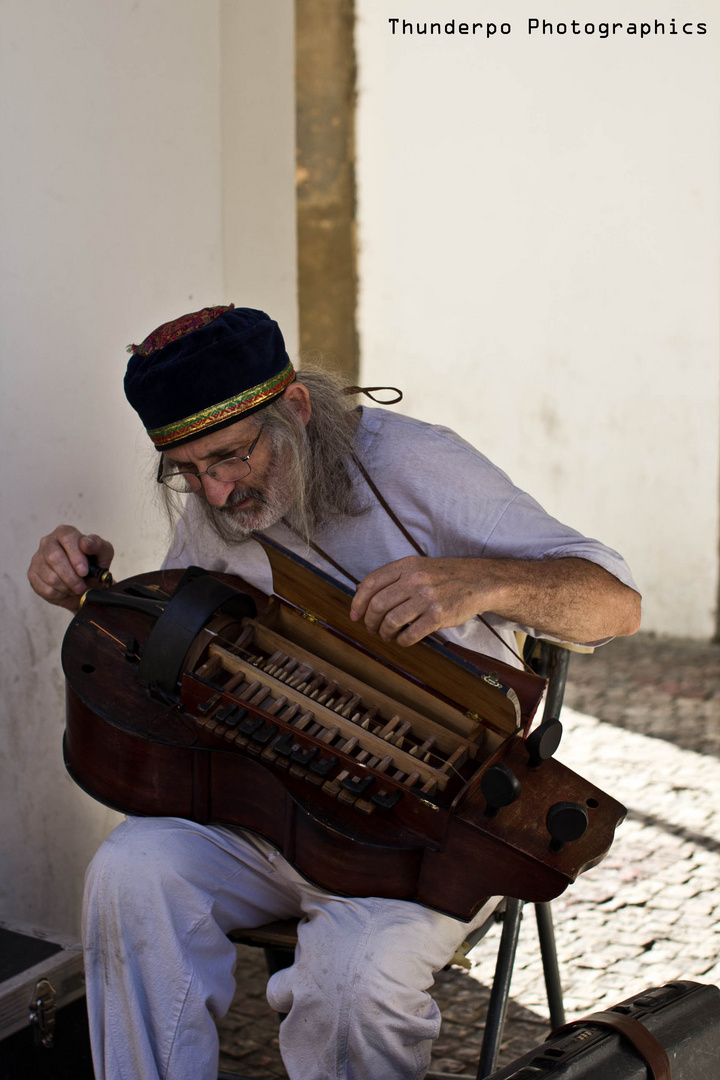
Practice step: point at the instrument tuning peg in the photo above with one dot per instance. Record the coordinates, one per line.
(500, 787)
(566, 821)
(103, 575)
(542, 743)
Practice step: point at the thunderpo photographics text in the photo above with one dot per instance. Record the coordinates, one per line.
(540, 27)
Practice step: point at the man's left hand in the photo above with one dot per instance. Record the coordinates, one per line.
(413, 597)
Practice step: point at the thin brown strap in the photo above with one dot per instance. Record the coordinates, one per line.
(368, 391)
(651, 1051)
(388, 509)
(411, 539)
(328, 558)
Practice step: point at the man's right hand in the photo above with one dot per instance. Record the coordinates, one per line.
(60, 564)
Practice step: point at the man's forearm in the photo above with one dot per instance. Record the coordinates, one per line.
(570, 599)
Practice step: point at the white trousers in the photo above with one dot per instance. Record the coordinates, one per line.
(161, 895)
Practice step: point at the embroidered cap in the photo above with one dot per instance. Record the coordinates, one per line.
(204, 371)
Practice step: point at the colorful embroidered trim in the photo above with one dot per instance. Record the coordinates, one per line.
(193, 426)
(177, 328)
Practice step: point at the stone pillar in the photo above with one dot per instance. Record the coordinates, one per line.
(327, 272)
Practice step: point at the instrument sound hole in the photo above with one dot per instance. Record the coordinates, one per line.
(88, 669)
(592, 803)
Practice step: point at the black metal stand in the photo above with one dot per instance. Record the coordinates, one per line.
(500, 993)
(548, 952)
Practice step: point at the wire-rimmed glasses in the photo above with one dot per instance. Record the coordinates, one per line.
(227, 471)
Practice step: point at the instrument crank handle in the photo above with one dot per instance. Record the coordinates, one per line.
(102, 574)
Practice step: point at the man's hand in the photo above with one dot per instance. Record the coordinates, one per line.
(420, 595)
(59, 565)
(569, 599)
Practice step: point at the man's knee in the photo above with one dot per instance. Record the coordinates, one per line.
(142, 856)
(375, 988)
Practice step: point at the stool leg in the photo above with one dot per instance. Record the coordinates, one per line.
(497, 1007)
(546, 935)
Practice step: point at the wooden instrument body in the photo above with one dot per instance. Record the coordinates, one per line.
(358, 810)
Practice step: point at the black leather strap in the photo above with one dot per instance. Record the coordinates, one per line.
(651, 1051)
(187, 612)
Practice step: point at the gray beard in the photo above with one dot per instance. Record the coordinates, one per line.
(234, 526)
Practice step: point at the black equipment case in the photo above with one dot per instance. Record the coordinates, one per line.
(683, 1017)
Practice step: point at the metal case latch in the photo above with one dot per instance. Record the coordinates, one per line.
(42, 1013)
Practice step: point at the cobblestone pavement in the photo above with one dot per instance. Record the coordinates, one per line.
(642, 721)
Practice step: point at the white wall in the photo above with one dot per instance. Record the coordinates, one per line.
(258, 159)
(539, 269)
(116, 200)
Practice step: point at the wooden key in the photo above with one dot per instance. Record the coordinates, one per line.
(242, 689)
(322, 698)
(215, 728)
(303, 721)
(332, 787)
(209, 668)
(397, 736)
(351, 706)
(421, 751)
(278, 704)
(206, 707)
(362, 782)
(257, 699)
(268, 752)
(249, 690)
(312, 686)
(232, 684)
(284, 674)
(273, 661)
(389, 729)
(298, 680)
(368, 717)
(455, 761)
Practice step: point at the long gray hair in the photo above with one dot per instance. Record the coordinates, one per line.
(314, 461)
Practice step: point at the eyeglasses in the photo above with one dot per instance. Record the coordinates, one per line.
(227, 471)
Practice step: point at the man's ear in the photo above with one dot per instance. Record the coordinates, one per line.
(298, 397)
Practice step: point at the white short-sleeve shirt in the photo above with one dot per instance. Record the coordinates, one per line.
(450, 498)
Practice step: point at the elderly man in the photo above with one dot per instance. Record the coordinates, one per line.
(432, 534)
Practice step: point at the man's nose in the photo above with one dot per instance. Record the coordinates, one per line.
(216, 491)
